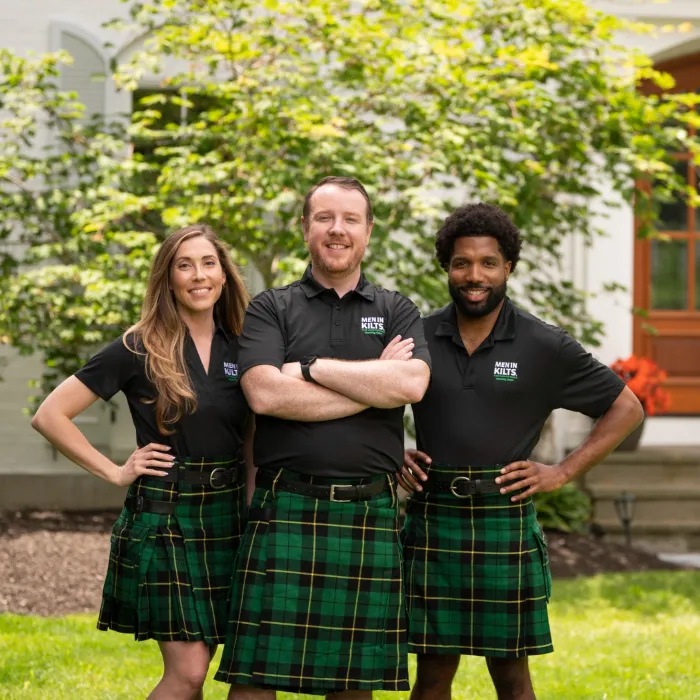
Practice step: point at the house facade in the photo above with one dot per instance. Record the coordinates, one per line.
(663, 278)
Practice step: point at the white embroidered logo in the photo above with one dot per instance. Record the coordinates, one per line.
(373, 325)
(505, 371)
(231, 371)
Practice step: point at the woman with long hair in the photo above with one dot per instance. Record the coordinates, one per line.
(173, 546)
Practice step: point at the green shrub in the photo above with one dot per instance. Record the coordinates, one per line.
(567, 509)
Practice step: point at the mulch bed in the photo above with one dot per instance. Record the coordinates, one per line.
(54, 563)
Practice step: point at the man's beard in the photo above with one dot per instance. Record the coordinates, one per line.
(332, 267)
(482, 308)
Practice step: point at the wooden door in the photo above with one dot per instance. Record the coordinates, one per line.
(667, 278)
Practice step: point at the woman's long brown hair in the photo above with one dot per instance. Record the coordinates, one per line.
(162, 332)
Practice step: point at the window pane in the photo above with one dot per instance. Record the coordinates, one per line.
(673, 215)
(669, 274)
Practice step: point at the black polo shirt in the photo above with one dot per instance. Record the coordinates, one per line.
(304, 318)
(489, 408)
(215, 429)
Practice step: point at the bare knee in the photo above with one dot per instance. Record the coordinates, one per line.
(191, 676)
(185, 668)
(511, 678)
(434, 677)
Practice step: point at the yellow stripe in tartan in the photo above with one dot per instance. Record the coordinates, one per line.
(312, 678)
(520, 570)
(482, 600)
(166, 584)
(188, 494)
(239, 623)
(469, 505)
(357, 597)
(311, 592)
(168, 490)
(322, 627)
(476, 551)
(345, 577)
(513, 649)
(329, 525)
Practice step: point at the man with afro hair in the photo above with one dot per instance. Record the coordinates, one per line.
(477, 570)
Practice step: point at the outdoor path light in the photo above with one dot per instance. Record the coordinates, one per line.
(624, 507)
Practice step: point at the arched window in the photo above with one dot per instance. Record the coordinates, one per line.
(86, 75)
(667, 277)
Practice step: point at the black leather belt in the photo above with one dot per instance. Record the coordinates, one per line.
(460, 486)
(338, 493)
(217, 478)
(139, 504)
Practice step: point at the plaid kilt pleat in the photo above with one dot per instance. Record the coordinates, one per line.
(317, 602)
(477, 573)
(169, 576)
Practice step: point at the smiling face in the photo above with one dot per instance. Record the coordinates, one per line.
(337, 231)
(478, 275)
(196, 276)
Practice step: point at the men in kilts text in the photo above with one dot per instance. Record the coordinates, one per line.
(327, 364)
(477, 572)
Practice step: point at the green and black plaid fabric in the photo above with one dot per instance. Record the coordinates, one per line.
(317, 602)
(169, 576)
(477, 573)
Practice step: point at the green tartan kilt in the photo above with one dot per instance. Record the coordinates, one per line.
(169, 576)
(477, 573)
(317, 603)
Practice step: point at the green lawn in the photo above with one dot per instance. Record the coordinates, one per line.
(617, 637)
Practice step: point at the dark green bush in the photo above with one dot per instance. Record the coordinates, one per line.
(567, 509)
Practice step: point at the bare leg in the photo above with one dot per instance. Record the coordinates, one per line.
(435, 675)
(185, 670)
(212, 653)
(248, 692)
(511, 678)
(350, 695)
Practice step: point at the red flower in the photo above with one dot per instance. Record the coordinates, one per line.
(644, 379)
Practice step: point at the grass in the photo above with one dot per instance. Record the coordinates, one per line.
(617, 637)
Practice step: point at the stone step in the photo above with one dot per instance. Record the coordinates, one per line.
(683, 454)
(613, 473)
(660, 510)
(682, 490)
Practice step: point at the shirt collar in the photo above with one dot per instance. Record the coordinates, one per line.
(220, 328)
(312, 288)
(503, 329)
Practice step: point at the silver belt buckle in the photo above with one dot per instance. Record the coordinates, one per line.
(339, 500)
(212, 478)
(453, 486)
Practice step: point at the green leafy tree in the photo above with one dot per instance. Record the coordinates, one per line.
(66, 284)
(530, 105)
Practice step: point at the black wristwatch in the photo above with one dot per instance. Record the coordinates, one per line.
(306, 363)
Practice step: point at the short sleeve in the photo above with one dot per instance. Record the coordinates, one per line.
(405, 321)
(262, 341)
(110, 370)
(584, 384)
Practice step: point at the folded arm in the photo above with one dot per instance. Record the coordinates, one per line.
(377, 383)
(271, 393)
